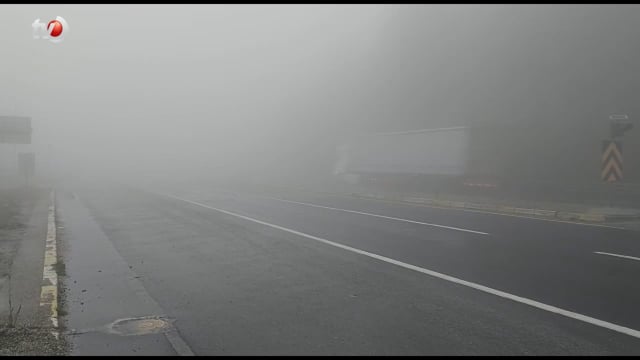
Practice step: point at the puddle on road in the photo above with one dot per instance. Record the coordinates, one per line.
(138, 326)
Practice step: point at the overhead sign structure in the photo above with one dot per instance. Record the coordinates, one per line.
(611, 161)
(15, 130)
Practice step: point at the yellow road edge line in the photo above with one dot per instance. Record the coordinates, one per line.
(49, 291)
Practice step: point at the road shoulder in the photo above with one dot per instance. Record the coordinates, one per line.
(109, 311)
(26, 328)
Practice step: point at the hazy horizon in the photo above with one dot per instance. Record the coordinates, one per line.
(222, 90)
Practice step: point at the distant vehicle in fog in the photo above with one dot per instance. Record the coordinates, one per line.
(484, 155)
(464, 153)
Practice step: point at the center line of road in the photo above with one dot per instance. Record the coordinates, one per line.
(379, 216)
(617, 255)
(502, 294)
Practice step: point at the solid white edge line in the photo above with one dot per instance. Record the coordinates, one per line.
(380, 216)
(502, 294)
(617, 255)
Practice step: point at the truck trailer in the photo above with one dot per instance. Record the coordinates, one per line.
(460, 153)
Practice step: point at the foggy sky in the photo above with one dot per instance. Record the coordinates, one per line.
(171, 90)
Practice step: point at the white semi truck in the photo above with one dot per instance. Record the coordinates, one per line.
(431, 151)
(460, 154)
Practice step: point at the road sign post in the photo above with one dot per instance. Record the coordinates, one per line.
(612, 164)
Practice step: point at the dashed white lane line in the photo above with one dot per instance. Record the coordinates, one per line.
(617, 255)
(380, 216)
(502, 294)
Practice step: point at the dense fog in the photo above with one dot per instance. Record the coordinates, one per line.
(205, 92)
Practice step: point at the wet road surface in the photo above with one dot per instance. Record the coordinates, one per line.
(289, 273)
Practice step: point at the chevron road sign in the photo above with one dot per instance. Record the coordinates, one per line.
(611, 161)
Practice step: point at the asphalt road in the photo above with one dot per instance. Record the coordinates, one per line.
(245, 273)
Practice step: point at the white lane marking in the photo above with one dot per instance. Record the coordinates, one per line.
(502, 294)
(617, 255)
(380, 216)
(482, 212)
(177, 342)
